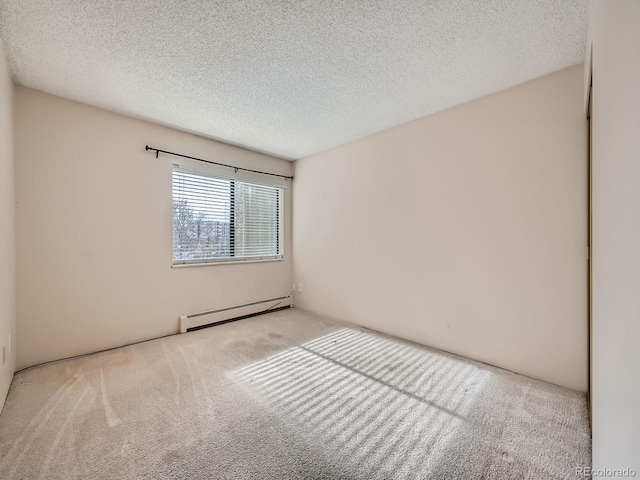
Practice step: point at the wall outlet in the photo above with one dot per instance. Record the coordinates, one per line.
(300, 287)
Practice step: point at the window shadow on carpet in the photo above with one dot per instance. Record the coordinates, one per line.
(380, 405)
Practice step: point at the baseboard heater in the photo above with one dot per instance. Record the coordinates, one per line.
(196, 321)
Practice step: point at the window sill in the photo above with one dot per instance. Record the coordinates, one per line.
(232, 262)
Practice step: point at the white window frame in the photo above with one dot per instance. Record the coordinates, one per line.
(231, 260)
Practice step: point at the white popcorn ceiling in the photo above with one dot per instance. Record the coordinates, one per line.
(290, 78)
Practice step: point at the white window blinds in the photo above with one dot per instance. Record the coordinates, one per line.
(220, 219)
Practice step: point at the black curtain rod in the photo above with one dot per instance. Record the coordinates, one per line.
(158, 151)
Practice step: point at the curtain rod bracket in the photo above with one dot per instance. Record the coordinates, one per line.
(147, 148)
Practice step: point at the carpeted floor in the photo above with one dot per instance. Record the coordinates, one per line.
(289, 395)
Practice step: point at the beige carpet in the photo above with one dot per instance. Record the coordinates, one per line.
(285, 396)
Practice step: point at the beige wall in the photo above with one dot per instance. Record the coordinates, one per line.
(7, 230)
(465, 230)
(93, 222)
(616, 234)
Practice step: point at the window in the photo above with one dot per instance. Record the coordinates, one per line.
(221, 219)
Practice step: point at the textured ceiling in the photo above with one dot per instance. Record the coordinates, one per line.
(286, 77)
